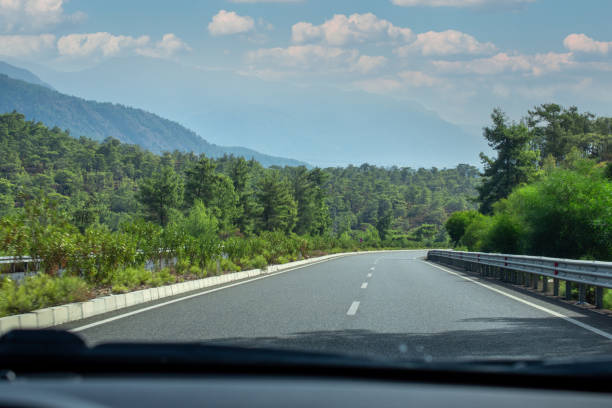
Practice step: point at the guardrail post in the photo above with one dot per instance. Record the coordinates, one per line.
(599, 293)
(535, 278)
(568, 290)
(581, 293)
(555, 287)
(544, 284)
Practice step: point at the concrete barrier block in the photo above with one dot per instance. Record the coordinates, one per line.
(146, 295)
(44, 318)
(60, 315)
(87, 308)
(120, 300)
(129, 299)
(75, 311)
(110, 303)
(99, 306)
(138, 297)
(154, 293)
(28, 321)
(9, 323)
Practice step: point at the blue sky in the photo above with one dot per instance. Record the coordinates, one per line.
(457, 58)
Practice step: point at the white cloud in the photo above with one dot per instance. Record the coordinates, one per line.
(447, 42)
(460, 3)
(99, 44)
(583, 43)
(537, 64)
(419, 79)
(34, 15)
(228, 22)
(342, 29)
(366, 64)
(26, 45)
(169, 45)
(305, 57)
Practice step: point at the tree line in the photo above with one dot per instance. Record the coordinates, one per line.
(548, 192)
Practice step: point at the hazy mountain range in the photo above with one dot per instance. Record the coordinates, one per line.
(281, 119)
(39, 102)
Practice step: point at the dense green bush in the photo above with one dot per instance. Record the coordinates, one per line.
(566, 213)
(458, 222)
(40, 291)
(130, 278)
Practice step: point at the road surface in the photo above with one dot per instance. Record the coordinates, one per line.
(391, 305)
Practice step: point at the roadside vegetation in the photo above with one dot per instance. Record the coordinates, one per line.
(547, 193)
(97, 213)
(549, 190)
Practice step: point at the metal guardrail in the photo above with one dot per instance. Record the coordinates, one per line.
(534, 271)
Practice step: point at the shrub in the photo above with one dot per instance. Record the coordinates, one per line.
(183, 266)
(458, 222)
(506, 235)
(607, 300)
(228, 265)
(257, 262)
(130, 277)
(475, 233)
(282, 260)
(163, 277)
(41, 291)
(118, 288)
(197, 271)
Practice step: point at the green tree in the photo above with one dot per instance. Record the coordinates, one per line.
(160, 193)
(279, 209)
(515, 162)
(200, 181)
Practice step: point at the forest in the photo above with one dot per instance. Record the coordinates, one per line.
(97, 211)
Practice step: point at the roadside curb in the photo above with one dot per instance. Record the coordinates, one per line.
(57, 315)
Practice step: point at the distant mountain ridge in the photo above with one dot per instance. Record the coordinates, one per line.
(38, 101)
(20, 73)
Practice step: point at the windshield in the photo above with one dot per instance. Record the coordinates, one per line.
(407, 180)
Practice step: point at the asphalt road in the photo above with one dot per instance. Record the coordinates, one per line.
(386, 304)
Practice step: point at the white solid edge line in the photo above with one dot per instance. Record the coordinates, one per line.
(353, 309)
(145, 309)
(364, 285)
(528, 303)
